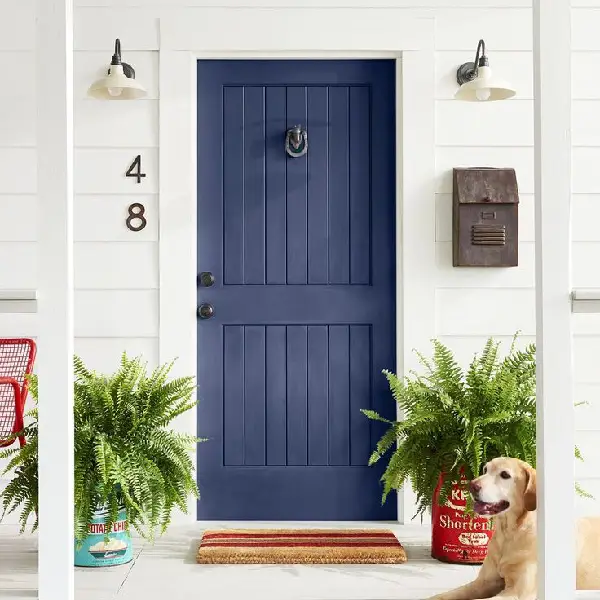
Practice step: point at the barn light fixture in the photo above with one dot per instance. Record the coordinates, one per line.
(119, 83)
(477, 84)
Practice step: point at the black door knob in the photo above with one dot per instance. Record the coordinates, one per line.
(206, 311)
(206, 279)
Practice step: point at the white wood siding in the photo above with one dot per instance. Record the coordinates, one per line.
(116, 271)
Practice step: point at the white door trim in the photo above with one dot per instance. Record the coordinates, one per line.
(185, 37)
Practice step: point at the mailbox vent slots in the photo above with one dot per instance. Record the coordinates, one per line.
(488, 235)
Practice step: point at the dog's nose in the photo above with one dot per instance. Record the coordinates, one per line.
(474, 487)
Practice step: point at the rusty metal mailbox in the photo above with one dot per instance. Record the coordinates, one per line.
(485, 217)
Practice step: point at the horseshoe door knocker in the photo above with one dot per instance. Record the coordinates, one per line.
(296, 141)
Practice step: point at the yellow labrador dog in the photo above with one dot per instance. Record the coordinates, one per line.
(507, 492)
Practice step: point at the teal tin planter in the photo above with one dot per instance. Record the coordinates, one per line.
(96, 552)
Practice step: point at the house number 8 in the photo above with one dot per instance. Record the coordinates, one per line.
(136, 213)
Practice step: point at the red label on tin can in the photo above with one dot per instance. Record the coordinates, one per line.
(456, 536)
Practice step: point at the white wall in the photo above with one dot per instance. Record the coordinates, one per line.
(116, 275)
(117, 271)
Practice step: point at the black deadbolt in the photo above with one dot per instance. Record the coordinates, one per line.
(206, 278)
(206, 311)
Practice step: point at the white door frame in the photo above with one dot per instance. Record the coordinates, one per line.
(190, 34)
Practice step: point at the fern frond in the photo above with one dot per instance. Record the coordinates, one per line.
(455, 420)
(126, 455)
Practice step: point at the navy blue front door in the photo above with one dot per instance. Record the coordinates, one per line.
(302, 253)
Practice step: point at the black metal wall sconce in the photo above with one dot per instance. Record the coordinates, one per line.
(296, 141)
(119, 83)
(477, 84)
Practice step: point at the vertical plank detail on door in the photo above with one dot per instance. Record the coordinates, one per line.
(276, 389)
(296, 194)
(360, 389)
(339, 395)
(318, 184)
(233, 185)
(254, 396)
(297, 378)
(339, 213)
(254, 185)
(360, 185)
(276, 165)
(318, 395)
(321, 233)
(233, 395)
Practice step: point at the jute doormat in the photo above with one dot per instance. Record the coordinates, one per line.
(300, 546)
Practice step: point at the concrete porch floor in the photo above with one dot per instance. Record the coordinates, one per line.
(167, 570)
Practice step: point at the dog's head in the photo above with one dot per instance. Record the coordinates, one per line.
(506, 484)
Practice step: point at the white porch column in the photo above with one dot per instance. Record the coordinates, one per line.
(555, 418)
(54, 58)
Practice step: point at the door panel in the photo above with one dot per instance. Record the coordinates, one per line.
(302, 250)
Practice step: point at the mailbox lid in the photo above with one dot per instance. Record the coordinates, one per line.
(485, 185)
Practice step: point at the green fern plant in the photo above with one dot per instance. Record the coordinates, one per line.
(456, 421)
(125, 453)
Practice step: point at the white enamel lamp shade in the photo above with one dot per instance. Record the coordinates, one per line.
(485, 87)
(119, 83)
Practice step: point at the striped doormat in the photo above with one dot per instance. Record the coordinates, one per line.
(300, 546)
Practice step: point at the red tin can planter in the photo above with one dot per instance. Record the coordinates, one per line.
(455, 536)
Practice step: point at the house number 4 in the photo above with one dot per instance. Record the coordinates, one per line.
(135, 169)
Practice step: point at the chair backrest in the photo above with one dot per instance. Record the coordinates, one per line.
(16, 361)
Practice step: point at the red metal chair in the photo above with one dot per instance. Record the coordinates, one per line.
(16, 361)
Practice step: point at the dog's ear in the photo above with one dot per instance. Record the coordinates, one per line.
(530, 495)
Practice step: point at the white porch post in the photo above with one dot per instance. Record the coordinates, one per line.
(54, 61)
(555, 419)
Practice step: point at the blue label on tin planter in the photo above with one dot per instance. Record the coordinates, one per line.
(96, 552)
